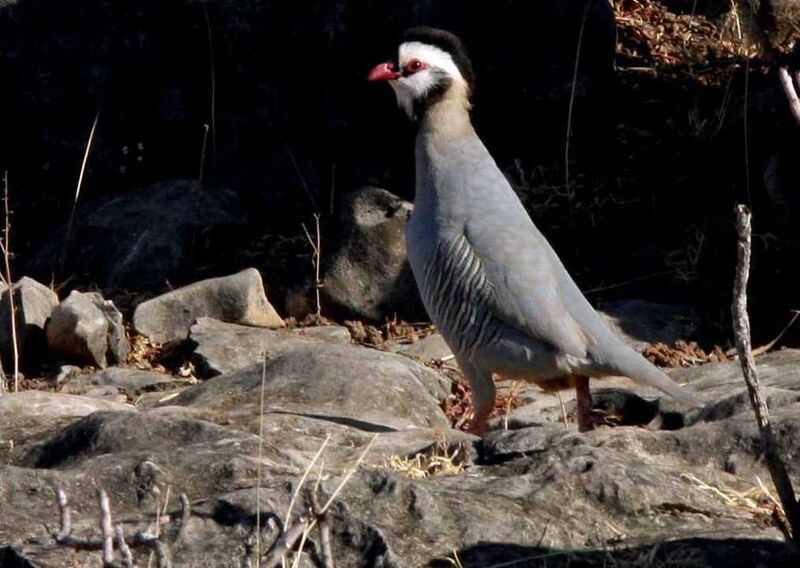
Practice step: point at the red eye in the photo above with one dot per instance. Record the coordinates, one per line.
(413, 66)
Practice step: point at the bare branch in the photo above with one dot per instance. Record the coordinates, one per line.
(790, 91)
(106, 528)
(741, 331)
(124, 549)
(9, 281)
(285, 543)
(66, 518)
(324, 522)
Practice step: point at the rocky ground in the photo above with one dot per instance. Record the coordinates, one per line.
(251, 428)
(212, 424)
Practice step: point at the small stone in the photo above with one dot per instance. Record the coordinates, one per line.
(88, 329)
(33, 304)
(239, 298)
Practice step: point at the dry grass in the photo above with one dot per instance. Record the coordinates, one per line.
(757, 499)
(441, 460)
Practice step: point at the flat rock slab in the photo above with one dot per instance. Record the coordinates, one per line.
(239, 298)
(30, 415)
(131, 381)
(352, 385)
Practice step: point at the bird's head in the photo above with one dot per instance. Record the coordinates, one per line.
(432, 65)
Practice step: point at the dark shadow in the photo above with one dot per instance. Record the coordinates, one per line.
(727, 553)
(10, 558)
(343, 420)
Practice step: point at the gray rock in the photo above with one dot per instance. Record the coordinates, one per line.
(144, 237)
(33, 302)
(336, 333)
(239, 298)
(29, 415)
(351, 385)
(224, 347)
(88, 329)
(368, 276)
(131, 381)
(640, 322)
(430, 348)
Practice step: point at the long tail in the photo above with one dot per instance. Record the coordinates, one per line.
(633, 365)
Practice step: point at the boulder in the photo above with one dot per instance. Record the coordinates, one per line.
(351, 385)
(142, 238)
(219, 347)
(29, 415)
(239, 298)
(639, 322)
(88, 329)
(33, 304)
(367, 276)
(130, 381)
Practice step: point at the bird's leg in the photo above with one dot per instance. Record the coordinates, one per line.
(483, 393)
(584, 400)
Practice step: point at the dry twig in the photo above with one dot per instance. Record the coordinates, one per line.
(5, 276)
(741, 331)
(790, 91)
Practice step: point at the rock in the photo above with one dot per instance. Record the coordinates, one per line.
(219, 347)
(144, 237)
(33, 302)
(631, 493)
(130, 381)
(88, 329)
(350, 385)
(430, 348)
(28, 415)
(337, 333)
(239, 298)
(639, 322)
(368, 276)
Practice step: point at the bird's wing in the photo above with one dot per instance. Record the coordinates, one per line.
(525, 290)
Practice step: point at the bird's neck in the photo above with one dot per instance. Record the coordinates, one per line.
(448, 118)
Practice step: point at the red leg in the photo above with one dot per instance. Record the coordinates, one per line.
(584, 400)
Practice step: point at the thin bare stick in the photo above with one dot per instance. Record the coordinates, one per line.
(260, 446)
(301, 177)
(124, 549)
(324, 520)
(316, 246)
(106, 529)
(71, 222)
(65, 528)
(790, 91)
(572, 92)
(741, 332)
(288, 517)
(310, 526)
(5, 246)
(203, 155)
(285, 543)
(333, 188)
(745, 125)
(563, 409)
(349, 474)
(213, 86)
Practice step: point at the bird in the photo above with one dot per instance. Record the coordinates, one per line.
(491, 283)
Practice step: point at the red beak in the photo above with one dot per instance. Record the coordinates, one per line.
(383, 72)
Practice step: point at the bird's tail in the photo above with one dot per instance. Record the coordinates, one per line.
(631, 364)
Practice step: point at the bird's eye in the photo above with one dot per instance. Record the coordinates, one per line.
(413, 66)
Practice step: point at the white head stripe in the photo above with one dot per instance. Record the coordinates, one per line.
(429, 54)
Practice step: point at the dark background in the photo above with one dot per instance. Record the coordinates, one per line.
(657, 158)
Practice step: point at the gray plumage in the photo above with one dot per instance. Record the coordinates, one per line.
(490, 281)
